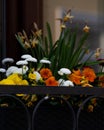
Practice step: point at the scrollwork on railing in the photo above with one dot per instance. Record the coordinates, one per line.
(47, 98)
(52, 92)
(23, 107)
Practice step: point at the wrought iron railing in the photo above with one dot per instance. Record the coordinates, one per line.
(95, 92)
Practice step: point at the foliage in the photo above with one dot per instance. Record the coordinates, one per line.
(67, 62)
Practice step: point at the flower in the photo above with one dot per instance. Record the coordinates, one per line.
(84, 77)
(67, 62)
(63, 71)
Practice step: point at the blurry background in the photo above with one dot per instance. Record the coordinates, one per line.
(20, 15)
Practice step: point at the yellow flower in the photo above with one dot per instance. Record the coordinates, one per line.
(90, 108)
(68, 16)
(7, 82)
(24, 82)
(32, 76)
(16, 78)
(86, 29)
(34, 98)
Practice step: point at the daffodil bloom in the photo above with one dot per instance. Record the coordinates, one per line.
(34, 42)
(27, 45)
(68, 17)
(38, 31)
(98, 53)
(86, 29)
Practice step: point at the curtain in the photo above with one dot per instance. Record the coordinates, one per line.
(20, 14)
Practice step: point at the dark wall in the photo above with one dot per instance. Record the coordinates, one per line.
(20, 14)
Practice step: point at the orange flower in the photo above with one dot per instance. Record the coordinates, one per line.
(51, 81)
(45, 73)
(76, 77)
(89, 74)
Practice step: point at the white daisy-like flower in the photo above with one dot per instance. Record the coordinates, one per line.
(68, 83)
(61, 82)
(21, 62)
(2, 70)
(31, 59)
(18, 71)
(22, 70)
(45, 61)
(38, 76)
(26, 56)
(63, 71)
(5, 60)
(11, 70)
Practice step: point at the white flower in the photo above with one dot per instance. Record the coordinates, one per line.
(61, 82)
(26, 56)
(21, 62)
(68, 83)
(38, 76)
(31, 59)
(25, 68)
(5, 60)
(63, 71)
(18, 71)
(11, 70)
(45, 61)
(22, 70)
(2, 70)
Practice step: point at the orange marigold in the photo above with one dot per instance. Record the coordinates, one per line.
(45, 73)
(51, 81)
(89, 74)
(76, 77)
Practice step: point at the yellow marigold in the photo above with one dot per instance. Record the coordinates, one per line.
(89, 74)
(101, 81)
(51, 81)
(32, 76)
(45, 73)
(76, 77)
